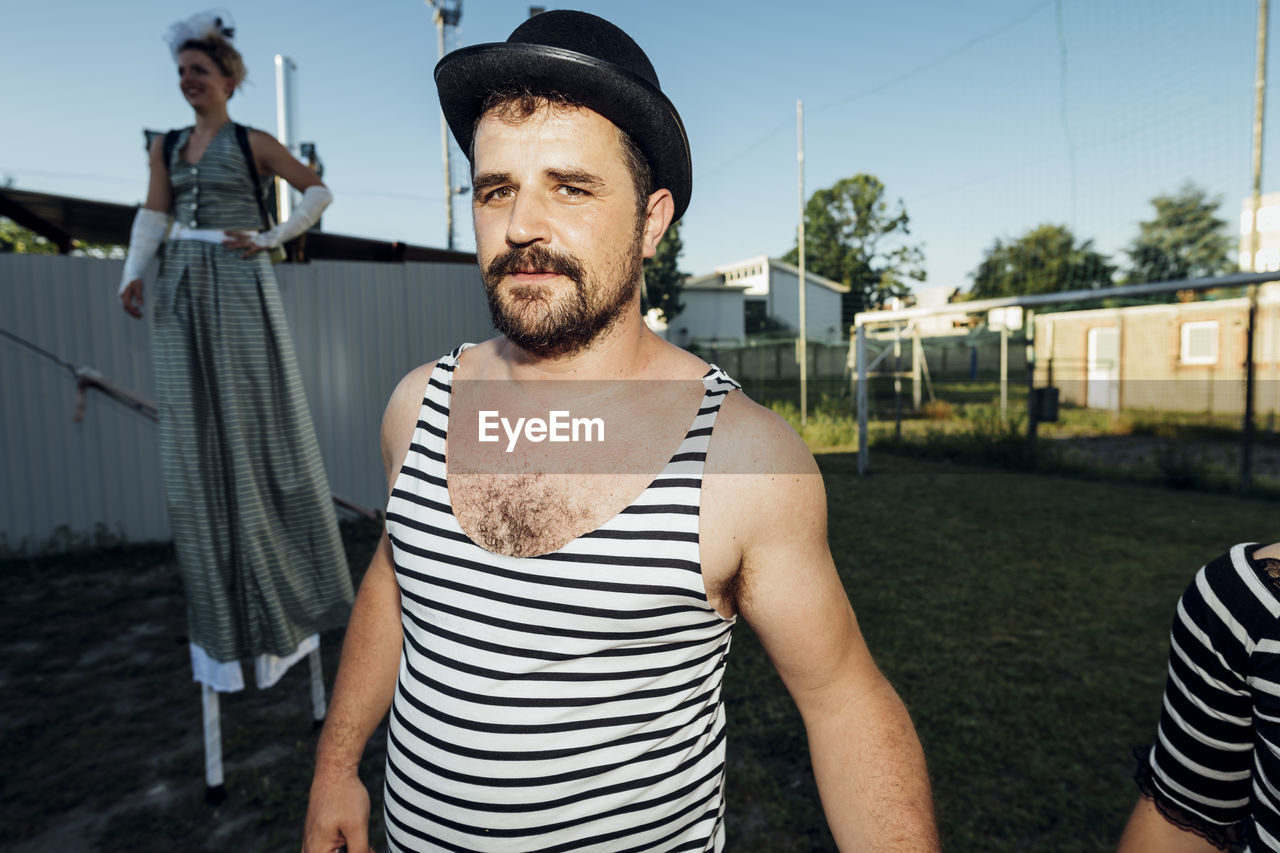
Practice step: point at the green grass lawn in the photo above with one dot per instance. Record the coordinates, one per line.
(1023, 618)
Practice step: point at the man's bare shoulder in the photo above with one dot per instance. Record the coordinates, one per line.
(751, 439)
(400, 418)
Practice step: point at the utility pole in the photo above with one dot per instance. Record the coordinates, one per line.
(1259, 102)
(802, 346)
(447, 14)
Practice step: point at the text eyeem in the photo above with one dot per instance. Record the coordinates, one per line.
(558, 426)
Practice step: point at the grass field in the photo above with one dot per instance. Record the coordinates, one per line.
(1022, 617)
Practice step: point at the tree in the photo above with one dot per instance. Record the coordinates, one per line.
(662, 277)
(1186, 239)
(15, 238)
(23, 241)
(854, 236)
(1046, 259)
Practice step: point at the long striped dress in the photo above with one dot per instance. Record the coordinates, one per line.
(1215, 765)
(253, 523)
(569, 701)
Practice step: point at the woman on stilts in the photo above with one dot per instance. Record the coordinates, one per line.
(249, 502)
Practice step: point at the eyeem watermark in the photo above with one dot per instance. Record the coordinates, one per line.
(558, 427)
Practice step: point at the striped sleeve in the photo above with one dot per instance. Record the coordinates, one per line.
(1199, 771)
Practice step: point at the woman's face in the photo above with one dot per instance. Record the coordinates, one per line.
(202, 83)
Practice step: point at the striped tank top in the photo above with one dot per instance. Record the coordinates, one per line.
(568, 701)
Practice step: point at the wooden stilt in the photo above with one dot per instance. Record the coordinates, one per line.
(317, 687)
(215, 792)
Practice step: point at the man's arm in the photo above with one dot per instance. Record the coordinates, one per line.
(867, 759)
(338, 812)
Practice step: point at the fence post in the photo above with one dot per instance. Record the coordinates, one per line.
(860, 356)
(1004, 373)
(917, 356)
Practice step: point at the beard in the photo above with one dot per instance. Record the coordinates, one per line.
(557, 325)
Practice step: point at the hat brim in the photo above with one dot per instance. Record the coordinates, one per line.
(466, 77)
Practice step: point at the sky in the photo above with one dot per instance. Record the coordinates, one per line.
(983, 118)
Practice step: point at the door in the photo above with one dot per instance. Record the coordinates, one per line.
(1102, 390)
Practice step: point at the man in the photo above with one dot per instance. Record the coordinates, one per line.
(549, 624)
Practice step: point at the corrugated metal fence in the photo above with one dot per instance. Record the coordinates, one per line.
(357, 328)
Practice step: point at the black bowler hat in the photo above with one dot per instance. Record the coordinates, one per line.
(585, 58)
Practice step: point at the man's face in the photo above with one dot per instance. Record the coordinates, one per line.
(558, 236)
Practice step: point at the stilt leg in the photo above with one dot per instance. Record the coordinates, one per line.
(317, 687)
(214, 791)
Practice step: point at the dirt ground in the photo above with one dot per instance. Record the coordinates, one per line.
(1148, 456)
(102, 724)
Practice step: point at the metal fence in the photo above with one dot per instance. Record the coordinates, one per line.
(357, 328)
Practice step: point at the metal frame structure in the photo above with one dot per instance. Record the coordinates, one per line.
(903, 318)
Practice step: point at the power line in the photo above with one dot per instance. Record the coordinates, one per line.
(938, 60)
(880, 87)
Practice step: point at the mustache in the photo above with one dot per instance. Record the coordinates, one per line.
(535, 257)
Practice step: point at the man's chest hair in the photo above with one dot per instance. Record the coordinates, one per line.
(523, 515)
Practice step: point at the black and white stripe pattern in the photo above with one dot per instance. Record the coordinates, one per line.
(569, 701)
(1215, 766)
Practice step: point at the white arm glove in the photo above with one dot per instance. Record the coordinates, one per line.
(149, 228)
(314, 200)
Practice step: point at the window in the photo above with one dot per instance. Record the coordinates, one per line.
(1200, 342)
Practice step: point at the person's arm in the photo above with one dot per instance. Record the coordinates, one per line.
(338, 811)
(271, 158)
(150, 224)
(1197, 779)
(274, 159)
(867, 759)
(1148, 831)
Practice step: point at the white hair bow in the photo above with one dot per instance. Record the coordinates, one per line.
(199, 27)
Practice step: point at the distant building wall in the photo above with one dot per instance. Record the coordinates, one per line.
(357, 329)
(710, 313)
(821, 309)
(1186, 357)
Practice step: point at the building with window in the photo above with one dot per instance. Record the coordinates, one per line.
(753, 296)
(1185, 357)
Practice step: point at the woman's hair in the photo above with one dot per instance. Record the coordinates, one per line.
(226, 57)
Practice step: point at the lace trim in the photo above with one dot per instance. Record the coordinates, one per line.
(1266, 567)
(1222, 837)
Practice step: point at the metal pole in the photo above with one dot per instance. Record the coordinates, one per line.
(804, 343)
(897, 382)
(285, 130)
(444, 140)
(1259, 103)
(1004, 372)
(860, 354)
(917, 356)
(1033, 411)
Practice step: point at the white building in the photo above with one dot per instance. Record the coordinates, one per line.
(737, 298)
(714, 312)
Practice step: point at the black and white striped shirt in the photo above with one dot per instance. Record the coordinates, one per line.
(569, 701)
(1215, 766)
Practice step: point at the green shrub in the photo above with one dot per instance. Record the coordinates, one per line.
(1180, 465)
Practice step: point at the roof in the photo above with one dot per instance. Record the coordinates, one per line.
(62, 219)
(712, 282)
(812, 278)
(753, 266)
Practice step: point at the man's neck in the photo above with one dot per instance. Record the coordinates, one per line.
(620, 352)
